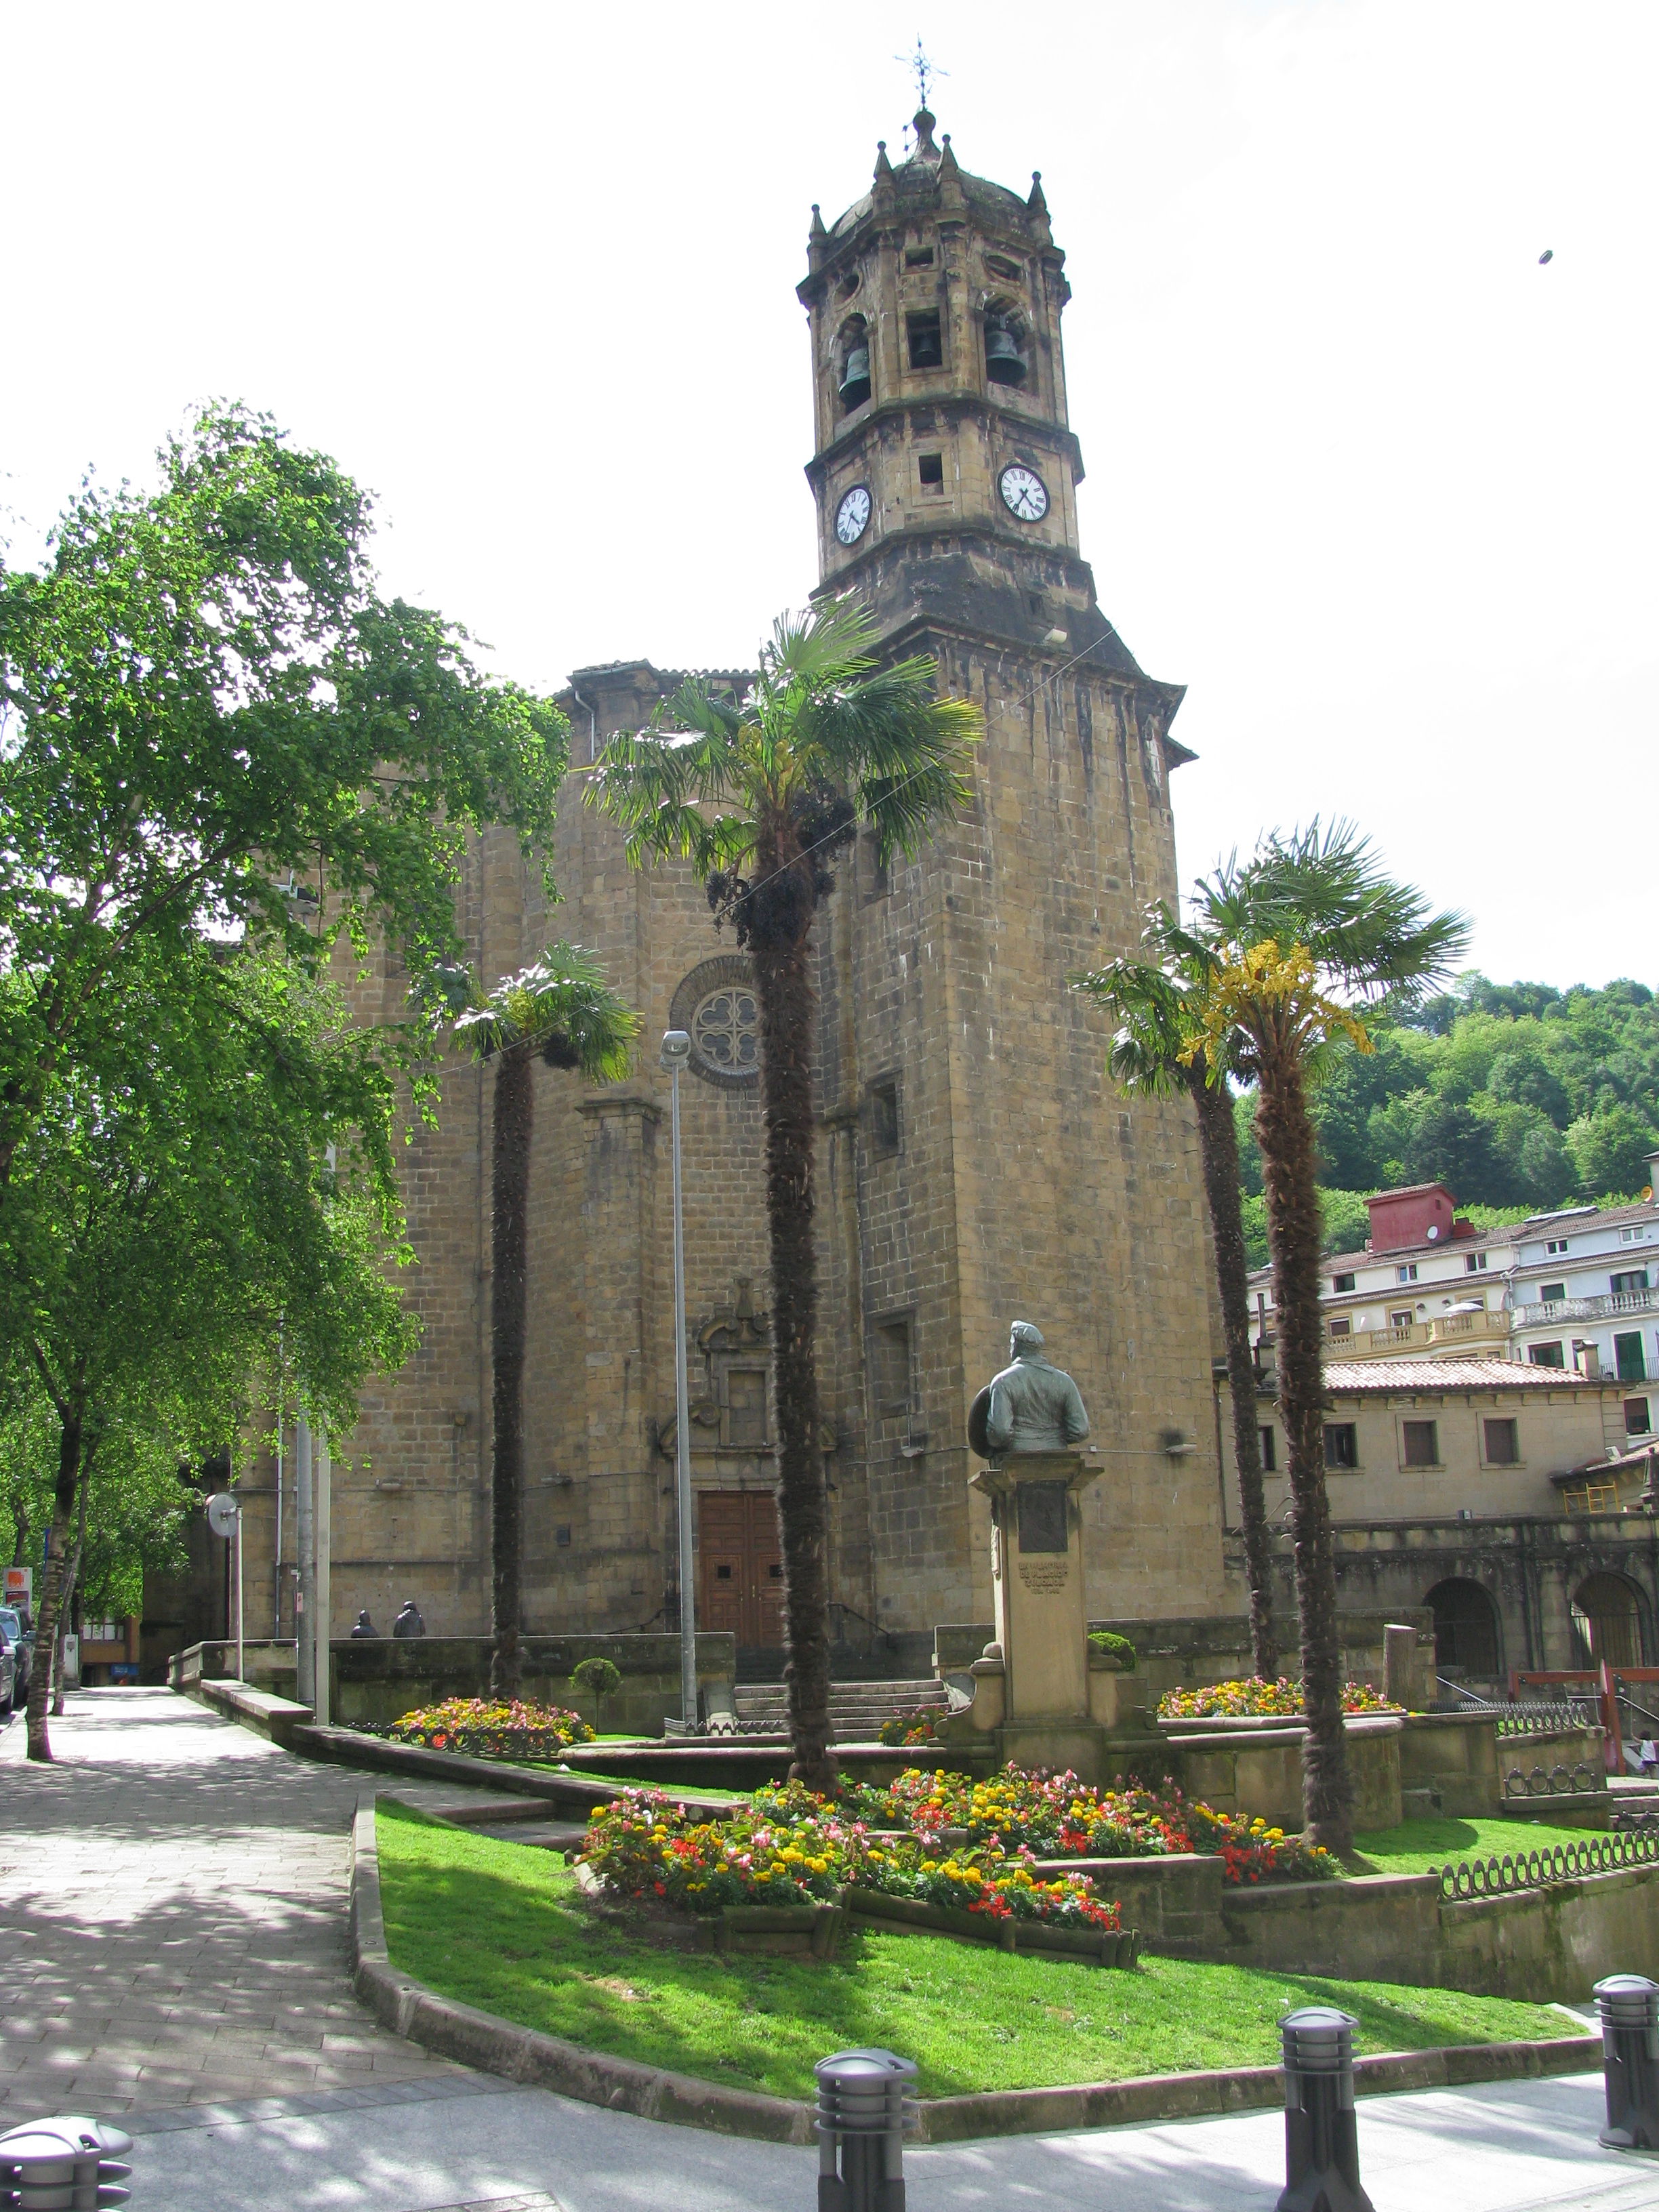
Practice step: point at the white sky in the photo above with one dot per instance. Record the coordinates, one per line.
(1375, 485)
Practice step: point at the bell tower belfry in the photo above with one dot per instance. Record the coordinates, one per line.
(980, 1166)
(939, 384)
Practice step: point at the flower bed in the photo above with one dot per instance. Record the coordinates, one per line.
(907, 1729)
(1055, 1816)
(490, 1728)
(1246, 1700)
(644, 1846)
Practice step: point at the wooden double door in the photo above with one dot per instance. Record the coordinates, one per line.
(740, 1566)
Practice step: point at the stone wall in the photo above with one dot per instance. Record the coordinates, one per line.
(376, 1679)
(1545, 1945)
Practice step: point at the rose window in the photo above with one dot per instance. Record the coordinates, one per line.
(726, 1032)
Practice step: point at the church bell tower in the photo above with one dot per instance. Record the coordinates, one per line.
(978, 1165)
(945, 470)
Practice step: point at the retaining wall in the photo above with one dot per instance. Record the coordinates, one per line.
(379, 1678)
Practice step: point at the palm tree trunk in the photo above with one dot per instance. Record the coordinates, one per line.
(1284, 1130)
(1218, 1143)
(69, 1440)
(509, 1210)
(783, 991)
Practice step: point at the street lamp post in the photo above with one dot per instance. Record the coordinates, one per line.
(675, 1053)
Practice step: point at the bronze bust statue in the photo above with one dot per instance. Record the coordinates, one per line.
(1031, 1407)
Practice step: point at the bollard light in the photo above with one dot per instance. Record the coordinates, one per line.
(863, 2113)
(67, 2164)
(1321, 2143)
(1629, 2006)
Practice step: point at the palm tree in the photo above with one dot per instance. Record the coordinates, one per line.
(562, 1011)
(1293, 947)
(756, 795)
(1155, 1003)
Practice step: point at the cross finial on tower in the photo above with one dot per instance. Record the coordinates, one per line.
(925, 70)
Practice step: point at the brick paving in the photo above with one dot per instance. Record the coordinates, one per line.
(173, 1918)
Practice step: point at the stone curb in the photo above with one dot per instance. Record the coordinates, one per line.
(348, 1747)
(546, 2062)
(524, 2054)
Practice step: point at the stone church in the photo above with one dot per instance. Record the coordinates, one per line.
(976, 1164)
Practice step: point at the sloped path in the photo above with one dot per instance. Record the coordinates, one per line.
(173, 1918)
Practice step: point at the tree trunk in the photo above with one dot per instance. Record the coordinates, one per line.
(66, 1600)
(509, 1211)
(783, 991)
(1284, 1131)
(52, 1585)
(1218, 1142)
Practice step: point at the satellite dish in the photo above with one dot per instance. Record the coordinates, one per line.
(1647, 1194)
(1434, 1231)
(223, 1513)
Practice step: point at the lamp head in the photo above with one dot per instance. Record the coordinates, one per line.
(676, 1048)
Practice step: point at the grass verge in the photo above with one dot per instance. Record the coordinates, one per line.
(495, 1924)
(1417, 1845)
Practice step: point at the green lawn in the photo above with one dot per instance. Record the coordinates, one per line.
(494, 1925)
(1417, 1845)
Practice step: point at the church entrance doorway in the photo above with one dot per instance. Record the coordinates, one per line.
(740, 1566)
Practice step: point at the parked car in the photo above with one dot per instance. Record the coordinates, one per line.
(15, 1643)
(11, 1695)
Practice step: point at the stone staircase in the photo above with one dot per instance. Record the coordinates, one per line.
(857, 1709)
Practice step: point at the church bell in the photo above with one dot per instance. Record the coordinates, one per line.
(855, 377)
(1003, 362)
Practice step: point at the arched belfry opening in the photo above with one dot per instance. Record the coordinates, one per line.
(1007, 343)
(853, 363)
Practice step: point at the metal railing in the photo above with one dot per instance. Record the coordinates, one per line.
(1561, 1781)
(1545, 1718)
(1498, 1877)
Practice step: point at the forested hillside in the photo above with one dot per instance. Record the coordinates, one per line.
(1519, 1095)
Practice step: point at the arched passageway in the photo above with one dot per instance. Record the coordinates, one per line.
(1607, 1622)
(1467, 1638)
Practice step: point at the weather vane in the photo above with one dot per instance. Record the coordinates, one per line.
(925, 70)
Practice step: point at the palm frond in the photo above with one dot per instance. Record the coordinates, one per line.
(562, 1006)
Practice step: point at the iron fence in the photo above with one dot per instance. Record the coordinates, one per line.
(1561, 1781)
(1544, 1719)
(1498, 1877)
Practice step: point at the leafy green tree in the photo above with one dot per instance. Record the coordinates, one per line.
(1610, 1150)
(758, 795)
(211, 723)
(1159, 1005)
(190, 1184)
(1293, 944)
(561, 1012)
(1440, 1142)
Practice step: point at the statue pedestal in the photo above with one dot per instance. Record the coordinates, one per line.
(1040, 1606)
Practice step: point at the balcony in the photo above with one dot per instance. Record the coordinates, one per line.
(1606, 1308)
(1452, 1336)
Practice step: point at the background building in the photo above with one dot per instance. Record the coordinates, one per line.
(1496, 1494)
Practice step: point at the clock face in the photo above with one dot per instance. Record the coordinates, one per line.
(1024, 493)
(853, 515)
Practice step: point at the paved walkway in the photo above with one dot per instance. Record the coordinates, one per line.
(1529, 2147)
(172, 1927)
(172, 1951)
